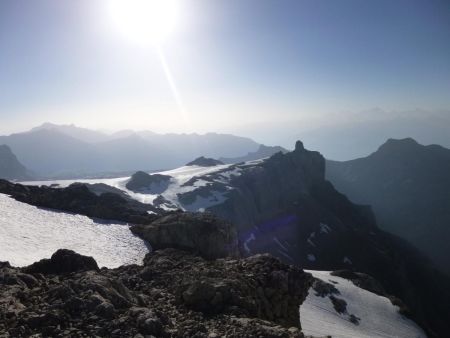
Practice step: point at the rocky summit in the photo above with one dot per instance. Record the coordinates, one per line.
(205, 162)
(80, 199)
(141, 182)
(174, 294)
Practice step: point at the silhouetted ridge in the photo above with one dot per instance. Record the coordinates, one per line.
(204, 162)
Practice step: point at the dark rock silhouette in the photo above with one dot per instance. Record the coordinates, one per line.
(77, 198)
(408, 186)
(204, 162)
(63, 261)
(143, 182)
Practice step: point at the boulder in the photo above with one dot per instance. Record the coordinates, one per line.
(63, 261)
(201, 233)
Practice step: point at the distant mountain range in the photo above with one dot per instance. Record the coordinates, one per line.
(10, 167)
(408, 186)
(348, 135)
(52, 150)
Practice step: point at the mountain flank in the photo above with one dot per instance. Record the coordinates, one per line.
(10, 167)
(408, 186)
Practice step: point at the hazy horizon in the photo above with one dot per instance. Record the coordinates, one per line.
(227, 66)
(341, 136)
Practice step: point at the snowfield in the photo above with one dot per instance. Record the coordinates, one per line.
(378, 318)
(28, 234)
(179, 184)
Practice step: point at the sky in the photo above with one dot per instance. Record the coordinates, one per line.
(229, 65)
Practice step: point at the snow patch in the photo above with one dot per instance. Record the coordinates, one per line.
(186, 179)
(378, 317)
(29, 234)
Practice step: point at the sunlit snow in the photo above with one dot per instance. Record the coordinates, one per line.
(28, 234)
(378, 317)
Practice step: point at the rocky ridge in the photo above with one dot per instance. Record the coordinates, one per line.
(174, 294)
(78, 198)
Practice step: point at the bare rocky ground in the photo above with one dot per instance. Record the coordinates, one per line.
(174, 294)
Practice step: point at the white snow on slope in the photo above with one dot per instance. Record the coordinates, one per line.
(28, 234)
(180, 176)
(378, 317)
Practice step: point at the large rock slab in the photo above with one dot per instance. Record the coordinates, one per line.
(202, 233)
(143, 182)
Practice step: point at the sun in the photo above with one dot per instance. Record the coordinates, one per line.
(144, 21)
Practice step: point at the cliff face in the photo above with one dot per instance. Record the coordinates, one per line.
(201, 233)
(285, 206)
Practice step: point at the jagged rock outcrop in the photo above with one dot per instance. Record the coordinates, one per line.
(175, 294)
(77, 198)
(154, 183)
(204, 162)
(10, 167)
(201, 233)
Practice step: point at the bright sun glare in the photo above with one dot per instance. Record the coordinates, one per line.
(145, 21)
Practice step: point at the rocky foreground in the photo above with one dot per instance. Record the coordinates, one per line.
(174, 294)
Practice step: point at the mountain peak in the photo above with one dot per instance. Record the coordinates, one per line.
(299, 146)
(399, 145)
(205, 162)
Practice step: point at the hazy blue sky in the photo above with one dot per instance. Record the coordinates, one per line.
(234, 62)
